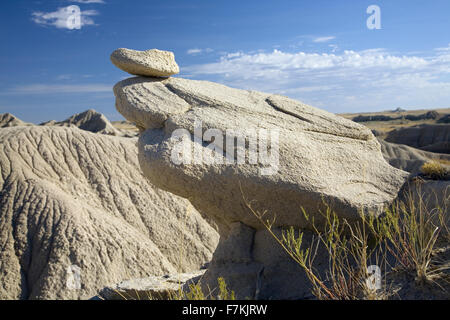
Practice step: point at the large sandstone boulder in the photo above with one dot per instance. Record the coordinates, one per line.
(74, 205)
(320, 158)
(149, 63)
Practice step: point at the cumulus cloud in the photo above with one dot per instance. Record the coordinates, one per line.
(70, 17)
(347, 81)
(278, 61)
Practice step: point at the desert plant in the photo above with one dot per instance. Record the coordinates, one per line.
(349, 247)
(195, 292)
(410, 231)
(434, 170)
(224, 292)
(444, 217)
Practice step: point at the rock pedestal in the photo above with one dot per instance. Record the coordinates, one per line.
(306, 158)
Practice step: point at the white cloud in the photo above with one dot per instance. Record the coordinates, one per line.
(64, 77)
(346, 81)
(196, 51)
(279, 61)
(87, 1)
(324, 39)
(57, 89)
(62, 18)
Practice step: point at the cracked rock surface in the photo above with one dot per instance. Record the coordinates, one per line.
(322, 157)
(73, 198)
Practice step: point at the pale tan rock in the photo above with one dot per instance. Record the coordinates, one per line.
(149, 63)
(323, 159)
(71, 198)
(322, 156)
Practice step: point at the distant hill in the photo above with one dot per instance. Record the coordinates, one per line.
(89, 120)
(428, 137)
(382, 123)
(8, 120)
(430, 115)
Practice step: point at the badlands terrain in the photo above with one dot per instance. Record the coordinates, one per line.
(91, 209)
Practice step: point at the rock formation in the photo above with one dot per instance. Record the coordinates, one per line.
(149, 63)
(74, 203)
(8, 120)
(433, 138)
(430, 115)
(319, 158)
(407, 158)
(89, 120)
(320, 155)
(444, 119)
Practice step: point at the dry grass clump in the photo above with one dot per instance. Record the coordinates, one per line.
(434, 170)
(195, 292)
(352, 254)
(402, 241)
(410, 234)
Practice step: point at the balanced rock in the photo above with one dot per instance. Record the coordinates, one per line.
(314, 158)
(77, 215)
(149, 63)
(321, 156)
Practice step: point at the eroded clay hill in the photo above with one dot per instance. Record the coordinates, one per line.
(8, 120)
(89, 120)
(408, 158)
(72, 198)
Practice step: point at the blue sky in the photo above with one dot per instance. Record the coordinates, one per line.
(320, 52)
